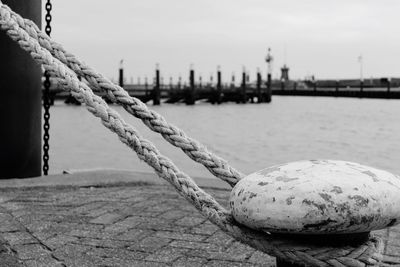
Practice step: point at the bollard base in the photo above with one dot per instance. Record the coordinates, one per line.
(335, 240)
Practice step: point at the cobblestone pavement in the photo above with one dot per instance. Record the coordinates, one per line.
(133, 224)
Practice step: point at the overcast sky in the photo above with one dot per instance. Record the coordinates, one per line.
(321, 37)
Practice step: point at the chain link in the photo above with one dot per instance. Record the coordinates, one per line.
(46, 100)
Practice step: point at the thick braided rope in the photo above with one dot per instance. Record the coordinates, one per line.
(112, 120)
(175, 136)
(363, 255)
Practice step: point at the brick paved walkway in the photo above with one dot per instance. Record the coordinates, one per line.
(132, 224)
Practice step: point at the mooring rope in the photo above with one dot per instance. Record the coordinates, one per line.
(154, 121)
(367, 254)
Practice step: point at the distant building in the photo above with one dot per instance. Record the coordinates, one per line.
(285, 73)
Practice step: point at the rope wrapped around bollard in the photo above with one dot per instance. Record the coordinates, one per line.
(65, 68)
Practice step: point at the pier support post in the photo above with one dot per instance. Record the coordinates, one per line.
(337, 87)
(121, 76)
(361, 87)
(268, 95)
(219, 85)
(260, 97)
(156, 89)
(243, 96)
(190, 94)
(20, 103)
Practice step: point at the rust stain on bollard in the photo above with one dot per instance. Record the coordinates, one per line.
(317, 197)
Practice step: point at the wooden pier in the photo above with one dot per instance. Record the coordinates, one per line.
(255, 91)
(214, 93)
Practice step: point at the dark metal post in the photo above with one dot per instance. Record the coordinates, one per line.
(337, 87)
(259, 94)
(156, 89)
(219, 85)
(269, 89)
(361, 86)
(121, 77)
(20, 103)
(191, 91)
(243, 91)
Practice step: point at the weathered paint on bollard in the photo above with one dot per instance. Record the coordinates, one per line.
(20, 104)
(317, 197)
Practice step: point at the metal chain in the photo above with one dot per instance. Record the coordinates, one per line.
(46, 100)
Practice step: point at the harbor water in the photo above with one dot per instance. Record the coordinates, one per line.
(249, 136)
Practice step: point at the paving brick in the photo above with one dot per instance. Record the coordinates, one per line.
(172, 215)
(150, 244)
(134, 235)
(195, 245)
(102, 243)
(114, 254)
(59, 241)
(107, 218)
(219, 263)
(205, 228)
(17, 238)
(179, 236)
(133, 221)
(7, 260)
(10, 226)
(190, 221)
(45, 261)
(166, 255)
(189, 261)
(31, 251)
(261, 258)
(86, 208)
(220, 238)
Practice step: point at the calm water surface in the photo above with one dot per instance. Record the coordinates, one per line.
(250, 137)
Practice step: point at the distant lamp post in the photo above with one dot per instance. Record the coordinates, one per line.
(269, 59)
(361, 62)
